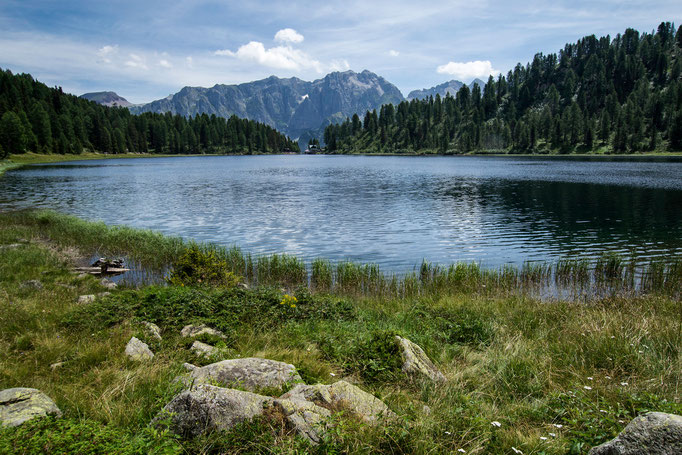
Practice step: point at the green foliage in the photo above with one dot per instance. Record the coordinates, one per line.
(377, 358)
(550, 104)
(197, 267)
(86, 437)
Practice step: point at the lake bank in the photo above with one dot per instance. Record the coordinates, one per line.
(558, 377)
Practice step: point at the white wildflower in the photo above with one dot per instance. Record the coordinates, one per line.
(516, 450)
(495, 423)
(590, 378)
(332, 374)
(552, 435)
(558, 425)
(623, 384)
(601, 410)
(447, 432)
(461, 451)
(543, 438)
(587, 387)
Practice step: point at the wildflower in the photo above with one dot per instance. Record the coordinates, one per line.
(558, 425)
(293, 305)
(590, 378)
(543, 438)
(608, 377)
(332, 374)
(602, 410)
(495, 423)
(623, 384)
(461, 451)
(516, 450)
(620, 421)
(447, 432)
(587, 387)
(552, 435)
(613, 336)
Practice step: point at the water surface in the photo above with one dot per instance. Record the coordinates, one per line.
(394, 211)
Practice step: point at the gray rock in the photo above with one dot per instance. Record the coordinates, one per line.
(20, 404)
(250, 373)
(103, 294)
(416, 363)
(655, 433)
(189, 366)
(10, 246)
(108, 284)
(307, 418)
(191, 331)
(153, 329)
(32, 284)
(84, 299)
(207, 408)
(202, 349)
(138, 350)
(341, 394)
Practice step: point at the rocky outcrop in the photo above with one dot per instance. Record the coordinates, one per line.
(250, 373)
(207, 408)
(108, 284)
(153, 330)
(19, 405)
(342, 395)
(192, 331)
(32, 284)
(655, 433)
(84, 299)
(416, 363)
(202, 349)
(138, 350)
(307, 418)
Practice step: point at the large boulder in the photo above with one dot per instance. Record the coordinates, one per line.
(20, 404)
(655, 433)
(207, 408)
(416, 363)
(307, 418)
(138, 350)
(342, 395)
(249, 373)
(192, 330)
(202, 349)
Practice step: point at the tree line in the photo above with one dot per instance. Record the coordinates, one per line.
(37, 118)
(621, 95)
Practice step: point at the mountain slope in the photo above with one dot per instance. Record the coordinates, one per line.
(290, 105)
(451, 87)
(109, 99)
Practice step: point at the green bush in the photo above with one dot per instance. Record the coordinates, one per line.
(378, 357)
(196, 267)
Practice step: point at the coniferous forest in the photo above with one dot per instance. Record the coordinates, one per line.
(37, 118)
(620, 95)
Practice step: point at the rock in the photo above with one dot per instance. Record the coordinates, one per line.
(139, 351)
(152, 329)
(103, 294)
(84, 299)
(10, 246)
(82, 276)
(416, 363)
(189, 366)
(190, 331)
(250, 373)
(55, 366)
(32, 284)
(202, 349)
(655, 433)
(207, 408)
(108, 284)
(341, 394)
(307, 418)
(20, 404)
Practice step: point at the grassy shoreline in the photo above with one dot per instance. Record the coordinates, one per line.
(573, 373)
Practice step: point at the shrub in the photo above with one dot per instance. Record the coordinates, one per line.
(196, 267)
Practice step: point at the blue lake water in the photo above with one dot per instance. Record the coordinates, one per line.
(393, 211)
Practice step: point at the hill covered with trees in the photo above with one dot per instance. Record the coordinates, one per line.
(620, 95)
(37, 118)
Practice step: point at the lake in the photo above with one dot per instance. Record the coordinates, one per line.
(392, 211)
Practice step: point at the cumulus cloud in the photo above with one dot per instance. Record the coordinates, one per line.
(106, 52)
(165, 63)
(282, 57)
(288, 35)
(136, 61)
(469, 70)
(393, 53)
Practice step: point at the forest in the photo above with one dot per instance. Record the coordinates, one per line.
(603, 95)
(37, 118)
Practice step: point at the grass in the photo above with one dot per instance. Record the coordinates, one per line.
(577, 369)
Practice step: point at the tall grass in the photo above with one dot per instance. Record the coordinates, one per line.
(609, 275)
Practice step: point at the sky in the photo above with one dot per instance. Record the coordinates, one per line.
(147, 49)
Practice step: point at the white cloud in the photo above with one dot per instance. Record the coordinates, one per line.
(282, 57)
(288, 35)
(106, 52)
(393, 53)
(136, 62)
(165, 63)
(469, 70)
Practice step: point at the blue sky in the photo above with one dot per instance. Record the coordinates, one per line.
(147, 49)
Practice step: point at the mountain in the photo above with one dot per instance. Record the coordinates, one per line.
(451, 87)
(107, 99)
(293, 106)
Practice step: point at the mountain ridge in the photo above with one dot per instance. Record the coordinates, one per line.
(108, 98)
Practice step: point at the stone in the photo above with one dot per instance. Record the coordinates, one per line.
(108, 284)
(202, 349)
(654, 433)
(250, 373)
(20, 404)
(307, 418)
(10, 246)
(344, 395)
(57, 365)
(32, 284)
(189, 366)
(138, 350)
(207, 408)
(103, 294)
(153, 330)
(84, 299)
(416, 363)
(191, 331)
